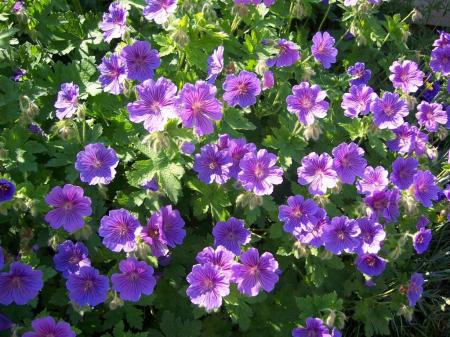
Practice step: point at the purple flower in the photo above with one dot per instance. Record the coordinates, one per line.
(70, 207)
(96, 164)
(384, 203)
(36, 129)
(307, 102)
(415, 289)
(298, 213)
(152, 235)
(317, 171)
(406, 76)
(403, 171)
(371, 237)
(373, 179)
(425, 188)
(187, 148)
(255, 272)
(231, 234)
(314, 327)
(388, 111)
(135, 278)
(113, 74)
(87, 287)
(2, 258)
(71, 257)
(370, 264)
(220, 257)
(151, 185)
(358, 101)
(198, 107)
(443, 40)
(67, 103)
(215, 64)
(212, 165)
(288, 54)
(268, 80)
(440, 60)
(335, 332)
(430, 88)
(155, 104)
(18, 74)
(341, 234)
(114, 22)
(159, 10)
(140, 60)
(20, 285)
(242, 89)
(207, 285)
(7, 190)
(47, 327)
(259, 172)
(313, 235)
(118, 230)
(237, 148)
(18, 6)
(422, 222)
(360, 75)
(348, 162)
(408, 139)
(323, 49)
(422, 240)
(431, 115)
(171, 226)
(5, 323)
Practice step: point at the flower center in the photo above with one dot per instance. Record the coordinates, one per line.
(153, 232)
(345, 161)
(367, 237)
(197, 107)
(253, 270)
(155, 106)
(96, 163)
(208, 284)
(3, 187)
(306, 102)
(430, 115)
(420, 239)
(259, 171)
(122, 228)
(16, 282)
(379, 204)
(312, 333)
(74, 259)
(370, 261)
(297, 212)
(388, 110)
(88, 285)
(242, 88)
(213, 165)
(68, 205)
(133, 276)
(341, 235)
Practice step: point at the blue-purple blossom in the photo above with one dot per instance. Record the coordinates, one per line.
(373, 179)
(231, 234)
(241, 89)
(403, 171)
(371, 237)
(348, 162)
(314, 327)
(384, 204)
(70, 206)
(67, 103)
(151, 185)
(7, 190)
(5, 323)
(406, 76)
(358, 101)
(70, 257)
(307, 102)
(198, 107)
(215, 64)
(389, 110)
(219, 257)
(118, 230)
(96, 164)
(430, 115)
(359, 74)
(268, 80)
(408, 139)
(114, 21)
(159, 10)
(317, 172)
(18, 74)
(140, 60)
(48, 327)
(288, 54)
(20, 284)
(425, 188)
(2, 258)
(259, 172)
(207, 285)
(255, 272)
(415, 288)
(155, 104)
(135, 279)
(323, 49)
(237, 148)
(370, 264)
(212, 165)
(298, 213)
(87, 287)
(113, 74)
(313, 235)
(341, 234)
(422, 240)
(440, 60)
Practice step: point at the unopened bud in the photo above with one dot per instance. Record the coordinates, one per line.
(313, 132)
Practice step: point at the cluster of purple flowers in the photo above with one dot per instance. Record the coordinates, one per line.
(47, 326)
(315, 327)
(440, 55)
(256, 171)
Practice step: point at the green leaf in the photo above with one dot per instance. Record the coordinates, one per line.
(374, 315)
(238, 309)
(173, 326)
(236, 120)
(169, 180)
(134, 317)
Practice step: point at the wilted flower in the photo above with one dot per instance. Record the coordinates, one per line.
(70, 207)
(113, 74)
(307, 102)
(288, 54)
(18, 74)
(96, 164)
(135, 278)
(388, 111)
(255, 272)
(241, 89)
(47, 327)
(237, 148)
(118, 230)
(231, 234)
(259, 172)
(323, 49)
(198, 107)
(187, 148)
(20, 285)
(155, 104)
(406, 76)
(151, 185)
(140, 60)
(87, 287)
(159, 10)
(408, 139)
(430, 115)
(114, 22)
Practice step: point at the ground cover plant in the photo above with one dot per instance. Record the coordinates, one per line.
(224, 168)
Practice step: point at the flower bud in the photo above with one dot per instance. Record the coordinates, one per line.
(312, 131)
